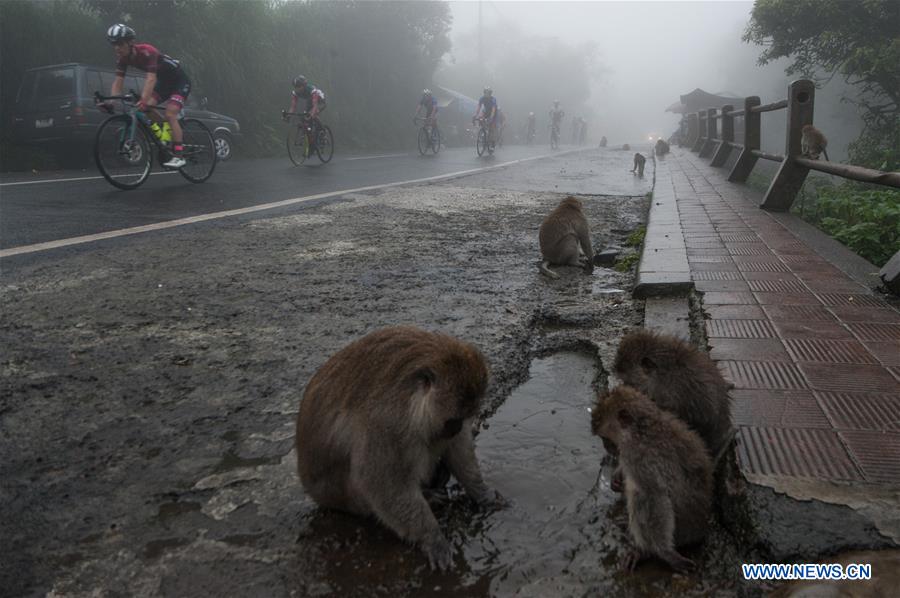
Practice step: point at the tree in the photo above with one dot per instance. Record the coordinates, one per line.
(858, 40)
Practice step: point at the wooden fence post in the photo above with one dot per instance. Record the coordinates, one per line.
(701, 131)
(724, 150)
(711, 134)
(791, 175)
(746, 161)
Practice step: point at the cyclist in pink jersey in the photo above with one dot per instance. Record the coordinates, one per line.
(166, 82)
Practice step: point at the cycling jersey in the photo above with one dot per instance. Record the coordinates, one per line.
(150, 60)
(308, 92)
(429, 104)
(556, 116)
(489, 103)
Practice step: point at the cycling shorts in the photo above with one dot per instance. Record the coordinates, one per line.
(174, 87)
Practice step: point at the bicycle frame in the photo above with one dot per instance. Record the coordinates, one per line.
(137, 118)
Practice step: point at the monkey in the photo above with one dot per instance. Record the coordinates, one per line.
(603, 141)
(680, 379)
(565, 238)
(667, 475)
(626, 148)
(379, 416)
(812, 142)
(662, 147)
(639, 161)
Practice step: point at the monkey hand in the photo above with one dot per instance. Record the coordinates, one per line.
(438, 551)
(631, 560)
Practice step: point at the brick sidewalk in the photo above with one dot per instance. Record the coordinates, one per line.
(815, 356)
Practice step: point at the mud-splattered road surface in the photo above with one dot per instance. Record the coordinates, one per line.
(150, 387)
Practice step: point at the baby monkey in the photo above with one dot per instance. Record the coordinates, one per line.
(667, 475)
(379, 416)
(812, 142)
(639, 161)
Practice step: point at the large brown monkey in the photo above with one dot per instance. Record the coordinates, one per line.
(565, 238)
(376, 419)
(667, 475)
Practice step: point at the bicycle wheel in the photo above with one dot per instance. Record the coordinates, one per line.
(423, 141)
(325, 144)
(481, 142)
(122, 158)
(435, 140)
(199, 151)
(298, 145)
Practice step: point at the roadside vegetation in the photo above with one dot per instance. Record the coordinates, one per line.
(857, 41)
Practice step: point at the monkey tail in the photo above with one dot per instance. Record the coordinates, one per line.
(826, 154)
(546, 271)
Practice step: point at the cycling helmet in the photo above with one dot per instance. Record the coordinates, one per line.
(488, 91)
(426, 92)
(556, 102)
(119, 32)
(299, 81)
(531, 114)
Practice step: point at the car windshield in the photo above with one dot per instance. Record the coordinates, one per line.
(55, 83)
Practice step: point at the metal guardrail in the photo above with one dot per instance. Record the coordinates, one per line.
(704, 137)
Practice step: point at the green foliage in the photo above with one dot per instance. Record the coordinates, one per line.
(878, 147)
(636, 237)
(627, 261)
(371, 59)
(864, 219)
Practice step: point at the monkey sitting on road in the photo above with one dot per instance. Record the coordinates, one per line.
(378, 417)
(639, 161)
(626, 148)
(667, 475)
(812, 142)
(565, 238)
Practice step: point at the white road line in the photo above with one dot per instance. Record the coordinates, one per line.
(375, 157)
(84, 178)
(23, 249)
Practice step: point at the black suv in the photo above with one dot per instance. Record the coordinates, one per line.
(55, 108)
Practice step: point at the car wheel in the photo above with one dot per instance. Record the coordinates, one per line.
(223, 146)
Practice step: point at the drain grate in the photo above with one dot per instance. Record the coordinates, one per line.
(796, 452)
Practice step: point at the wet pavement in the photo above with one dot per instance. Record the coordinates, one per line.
(150, 387)
(153, 383)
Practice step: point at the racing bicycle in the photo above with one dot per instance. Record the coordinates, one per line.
(429, 136)
(482, 139)
(307, 136)
(125, 144)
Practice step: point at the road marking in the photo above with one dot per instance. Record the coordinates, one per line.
(36, 247)
(84, 178)
(375, 157)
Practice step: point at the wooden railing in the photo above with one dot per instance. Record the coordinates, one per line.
(704, 137)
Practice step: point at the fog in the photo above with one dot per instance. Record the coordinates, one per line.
(647, 54)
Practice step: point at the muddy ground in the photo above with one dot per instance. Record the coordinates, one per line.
(151, 385)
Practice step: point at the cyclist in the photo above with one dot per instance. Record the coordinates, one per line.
(429, 103)
(531, 126)
(556, 116)
(314, 97)
(166, 82)
(487, 107)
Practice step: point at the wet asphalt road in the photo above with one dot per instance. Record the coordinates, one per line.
(42, 207)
